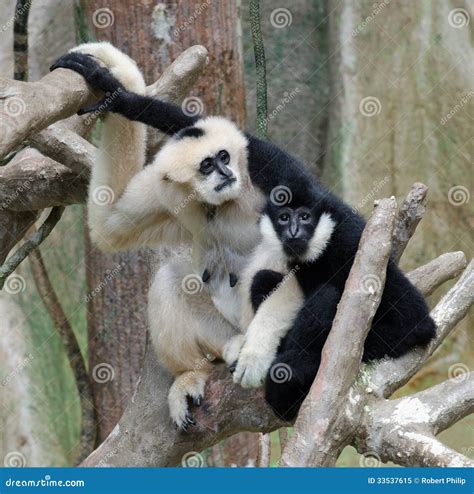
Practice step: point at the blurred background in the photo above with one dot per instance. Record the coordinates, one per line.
(372, 96)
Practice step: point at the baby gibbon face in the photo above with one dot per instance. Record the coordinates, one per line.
(302, 232)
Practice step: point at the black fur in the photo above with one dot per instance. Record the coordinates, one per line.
(189, 132)
(402, 320)
(263, 283)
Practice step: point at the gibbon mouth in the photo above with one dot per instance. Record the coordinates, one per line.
(295, 247)
(225, 184)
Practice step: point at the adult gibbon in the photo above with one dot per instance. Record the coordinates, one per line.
(206, 187)
(310, 244)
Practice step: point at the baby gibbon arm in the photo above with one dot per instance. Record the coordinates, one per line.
(270, 324)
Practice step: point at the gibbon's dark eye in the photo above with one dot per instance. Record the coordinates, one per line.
(207, 166)
(284, 218)
(224, 156)
(304, 216)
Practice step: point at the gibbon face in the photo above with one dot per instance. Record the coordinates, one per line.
(303, 232)
(208, 159)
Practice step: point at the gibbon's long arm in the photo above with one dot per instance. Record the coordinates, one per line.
(123, 207)
(272, 321)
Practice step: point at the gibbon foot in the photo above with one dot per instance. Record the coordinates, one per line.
(252, 368)
(97, 76)
(187, 387)
(231, 350)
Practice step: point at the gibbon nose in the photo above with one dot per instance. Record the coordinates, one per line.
(294, 228)
(224, 170)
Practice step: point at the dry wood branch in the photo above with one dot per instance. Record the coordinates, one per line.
(429, 277)
(409, 215)
(32, 181)
(36, 239)
(73, 352)
(319, 415)
(389, 375)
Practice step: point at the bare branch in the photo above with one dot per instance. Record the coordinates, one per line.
(320, 413)
(429, 277)
(32, 181)
(409, 215)
(73, 352)
(448, 402)
(389, 375)
(14, 261)
(13, 226)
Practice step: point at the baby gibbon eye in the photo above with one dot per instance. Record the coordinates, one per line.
(207, 166)
(304, 216)
(224, 156)
(284, 218)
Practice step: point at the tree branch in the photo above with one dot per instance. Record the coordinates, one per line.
(14, 261)
(429, 277)
(320, 415)
(409, 215)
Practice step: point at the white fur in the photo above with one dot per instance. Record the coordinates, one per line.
(320, 239)
(163, 203)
